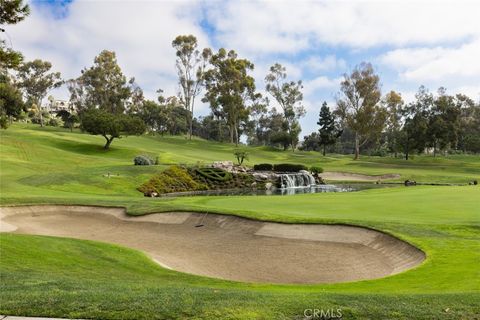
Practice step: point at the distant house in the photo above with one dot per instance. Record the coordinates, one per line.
(56, 105)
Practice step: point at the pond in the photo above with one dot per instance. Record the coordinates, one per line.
(287, 191)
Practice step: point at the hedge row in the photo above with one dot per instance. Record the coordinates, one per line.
(285, 167)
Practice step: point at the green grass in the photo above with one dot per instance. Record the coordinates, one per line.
(47, 276)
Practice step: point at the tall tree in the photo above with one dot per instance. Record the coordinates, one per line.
(328, 131)
(289, 96)
(36, 80)
(102, 86)
(190, 66)
(444, 122)
(11, 12)
(469, 133)
(229, 89)
(393, 103)
(11, 102)
(413, 135)
(358, 105)
(102, 96)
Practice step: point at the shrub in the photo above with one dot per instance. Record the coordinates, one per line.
(53, 122)
(172, 179)
(241, 155)
(263, 167)
(3, 122)
(143, 160)
(216, 174)
(289, 167)
(317, 170)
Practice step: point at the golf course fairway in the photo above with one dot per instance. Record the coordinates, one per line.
(62, 276)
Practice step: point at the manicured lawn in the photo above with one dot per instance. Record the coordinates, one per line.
(73, 278)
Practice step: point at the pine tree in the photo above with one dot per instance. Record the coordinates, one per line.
(328, 128)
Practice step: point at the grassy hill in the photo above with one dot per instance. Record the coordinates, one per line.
(50, 276)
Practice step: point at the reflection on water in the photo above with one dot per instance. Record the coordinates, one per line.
(289, 191)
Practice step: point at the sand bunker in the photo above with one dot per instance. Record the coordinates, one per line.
(346, 176)
(228, 247)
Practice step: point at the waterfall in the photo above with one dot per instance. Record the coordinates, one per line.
(296, 180)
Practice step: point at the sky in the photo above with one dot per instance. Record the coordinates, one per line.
(409, 43)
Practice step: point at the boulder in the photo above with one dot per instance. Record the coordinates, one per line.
(268, 186)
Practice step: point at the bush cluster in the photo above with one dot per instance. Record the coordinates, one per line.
(172, 179)
(288, 167)
(316, 170)
(143, 160)
(263, 167)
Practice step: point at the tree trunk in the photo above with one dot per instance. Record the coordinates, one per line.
(236, 136)
(407, 149)
(230, 127)
(357, 146)
(41, 117)
(324, 147)
(434, 148)
(109, 141)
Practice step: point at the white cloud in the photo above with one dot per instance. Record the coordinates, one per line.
(140, 34)
(258, 27)
(321, 82)
(326, 63)
(439, 63)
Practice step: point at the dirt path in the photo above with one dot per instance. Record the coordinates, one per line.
(345, 176)
(229, 247)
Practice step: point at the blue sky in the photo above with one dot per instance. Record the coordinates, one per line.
(409, 43)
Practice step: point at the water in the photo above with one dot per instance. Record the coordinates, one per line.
(287, 191)
(296, 180)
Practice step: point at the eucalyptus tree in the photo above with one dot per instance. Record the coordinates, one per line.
(289, 96)
(36, 80)
(190, 66)
(358, 105)
(230, 89)
(394, 104)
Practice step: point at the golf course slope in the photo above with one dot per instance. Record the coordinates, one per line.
(228, 247)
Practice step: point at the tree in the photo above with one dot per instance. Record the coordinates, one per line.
(289, 96)
(311, 142)
(103, 95)
(102, 86)
(469, 133)
(358, 105)
(110, 126)
(229, 89)
(413, 135)
(69, 119)
(444, 124)
(36, 80)
(393, 103)
(190, 66)
(328, 131)
(11, 12)
(11, 102)
(240, 155)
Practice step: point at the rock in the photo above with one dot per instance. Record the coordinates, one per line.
(225, 165)
(260, 176)
(153, 194)
(410, 183)
(268, 186)
(254, 184)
